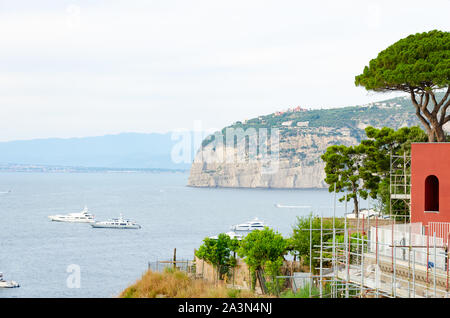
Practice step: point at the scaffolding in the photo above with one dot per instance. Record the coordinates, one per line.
(400, 186)
(381, 257)
(392, 261)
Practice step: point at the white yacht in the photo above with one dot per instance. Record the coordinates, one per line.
(255, 224)
(80, 217)
(119, 223)
(7, 284)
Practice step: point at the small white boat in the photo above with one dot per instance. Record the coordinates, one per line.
(255, 224)
(7, 284)
(232, 235)
(80, 217)
(119, 223)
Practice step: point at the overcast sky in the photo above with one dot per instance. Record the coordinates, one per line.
(85, 68)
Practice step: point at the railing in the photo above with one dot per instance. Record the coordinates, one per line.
(442, 230)
(395, 244)
(187, 266)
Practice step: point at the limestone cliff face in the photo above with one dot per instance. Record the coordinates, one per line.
(250, 176)
(297, 166)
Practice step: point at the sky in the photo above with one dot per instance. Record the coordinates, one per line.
(89, 68)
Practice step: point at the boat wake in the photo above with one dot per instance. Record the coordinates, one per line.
(292, 206)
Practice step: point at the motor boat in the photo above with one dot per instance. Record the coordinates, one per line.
(232, 235)
(119, 223)
(7, 284)
(80, 217)
(255, 224)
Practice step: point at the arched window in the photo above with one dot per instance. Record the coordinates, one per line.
(432, 194)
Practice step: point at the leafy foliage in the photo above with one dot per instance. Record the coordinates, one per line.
(345, 172)
(263, 250)
(420, 65)
(218, 252)
(364, 169)
(381, 143)
(419, 60)
(300, 238)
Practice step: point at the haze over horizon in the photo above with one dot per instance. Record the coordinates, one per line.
(81, 68)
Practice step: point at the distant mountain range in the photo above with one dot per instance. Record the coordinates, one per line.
(125, 150)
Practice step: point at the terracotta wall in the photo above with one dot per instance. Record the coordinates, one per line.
(430, 159)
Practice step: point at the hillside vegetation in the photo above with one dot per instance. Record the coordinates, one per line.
(395, 112)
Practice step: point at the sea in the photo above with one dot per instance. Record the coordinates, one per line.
(59, 260)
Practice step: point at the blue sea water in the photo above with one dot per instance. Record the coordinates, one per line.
(37, 252)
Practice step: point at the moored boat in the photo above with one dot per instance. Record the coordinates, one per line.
(119, 223)
(7, 284)
(255, 224)
(80, 217)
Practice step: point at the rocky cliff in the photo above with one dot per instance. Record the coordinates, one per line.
(303, 135)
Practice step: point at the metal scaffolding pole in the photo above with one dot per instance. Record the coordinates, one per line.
(321, 253)
(409, 263)
(376, 256)
(347, 261)
(362, 266)
(447, 262)
(414, 274)
(334, 292)
(394, 278)
(310, 254)
(435, 265)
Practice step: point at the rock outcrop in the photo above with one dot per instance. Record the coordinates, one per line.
(304, 137)
(298, 165)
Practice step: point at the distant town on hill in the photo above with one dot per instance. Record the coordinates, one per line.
(395, 112)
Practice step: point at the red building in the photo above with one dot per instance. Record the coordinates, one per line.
(430, 187)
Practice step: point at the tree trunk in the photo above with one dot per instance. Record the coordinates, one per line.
(439, 133)
(355, 202)
(433, 120)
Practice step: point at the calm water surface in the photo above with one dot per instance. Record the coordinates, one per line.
(36, 252)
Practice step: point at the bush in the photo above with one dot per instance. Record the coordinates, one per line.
(300, 239)
(264, 250)
(218, 253)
